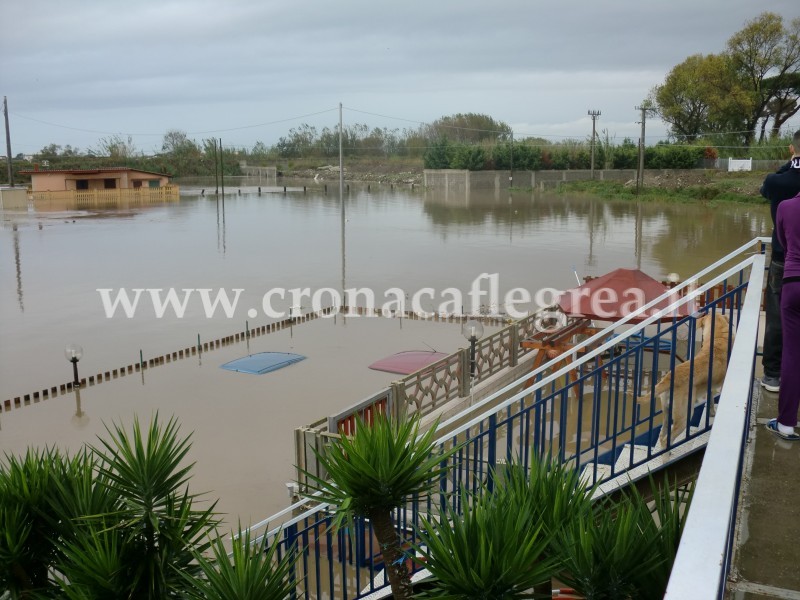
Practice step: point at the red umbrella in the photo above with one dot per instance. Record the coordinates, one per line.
(618, 294)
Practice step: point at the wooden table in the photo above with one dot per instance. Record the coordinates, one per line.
(550, 345)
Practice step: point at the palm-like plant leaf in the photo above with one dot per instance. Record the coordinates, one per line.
(605, 554)
(252, 571)
(374, 471)
(160, 525)
(378, 467)
(494, 550)
(27, 541)
(671, 504)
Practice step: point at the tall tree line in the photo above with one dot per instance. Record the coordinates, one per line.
(751, 87)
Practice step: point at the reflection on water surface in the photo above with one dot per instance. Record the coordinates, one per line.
(53, 261)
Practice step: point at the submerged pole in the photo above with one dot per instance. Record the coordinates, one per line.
(8, 144)
(222, 167)
(216, 168)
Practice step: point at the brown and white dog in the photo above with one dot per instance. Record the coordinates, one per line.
(678, 379)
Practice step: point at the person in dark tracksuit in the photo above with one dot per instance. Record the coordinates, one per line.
(777, 187)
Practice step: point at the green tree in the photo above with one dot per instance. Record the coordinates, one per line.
(764, 49)
(754, 79)
(468, 128)
(175, 141)
(373, 472)
(784, 105)
(702, 95)
(439, 154)
(116, 147)
(472, 158)
(260, 152)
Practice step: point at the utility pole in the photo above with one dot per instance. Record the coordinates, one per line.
(511, 172)
(8, 143)
(640, 173)
(594, 114)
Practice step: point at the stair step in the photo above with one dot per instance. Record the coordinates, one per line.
(588, 473)
(624, 460)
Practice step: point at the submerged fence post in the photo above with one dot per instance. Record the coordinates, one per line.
(398, 403)
(514, 341)
(492, 452)
(464, 379)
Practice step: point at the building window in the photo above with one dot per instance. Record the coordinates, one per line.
(81, 184)
(137, 183)
(109, 184)
(153, 183)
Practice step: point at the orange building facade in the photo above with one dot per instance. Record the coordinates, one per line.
(112, 178)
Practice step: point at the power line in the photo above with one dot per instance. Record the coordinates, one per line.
(253, 126)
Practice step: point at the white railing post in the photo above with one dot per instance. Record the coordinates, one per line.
(700, 564)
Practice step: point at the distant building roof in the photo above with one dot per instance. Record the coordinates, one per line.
(90, 171)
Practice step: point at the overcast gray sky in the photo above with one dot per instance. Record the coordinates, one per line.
(249, 70)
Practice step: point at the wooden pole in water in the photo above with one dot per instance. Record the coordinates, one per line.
(216, 168)
(8, 144)
(222, 168)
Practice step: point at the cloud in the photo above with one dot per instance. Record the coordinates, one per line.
(199, 65)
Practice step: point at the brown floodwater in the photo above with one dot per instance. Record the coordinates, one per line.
(53, 259)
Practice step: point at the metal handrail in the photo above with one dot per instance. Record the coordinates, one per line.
(605, 332)
(701, 564)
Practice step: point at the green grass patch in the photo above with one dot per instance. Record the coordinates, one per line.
(733, 190)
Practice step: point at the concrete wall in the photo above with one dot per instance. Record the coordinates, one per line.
(453, 180)
(267, 172)
(13, 198)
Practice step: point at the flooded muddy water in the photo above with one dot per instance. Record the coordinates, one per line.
(54, 259)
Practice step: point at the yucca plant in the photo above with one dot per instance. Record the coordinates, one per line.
(495, 550)
(671, 506)
(372, 472)
(251, 571)
(134, 527)
(161, 528)
(602, 552)
(550, 492)
(27, 535)
(623, 551)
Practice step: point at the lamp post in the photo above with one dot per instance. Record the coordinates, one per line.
(73, 352)
(472, 330)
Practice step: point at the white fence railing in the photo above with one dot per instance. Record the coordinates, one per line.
(701, 565)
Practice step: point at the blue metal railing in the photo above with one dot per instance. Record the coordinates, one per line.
(588, 422)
